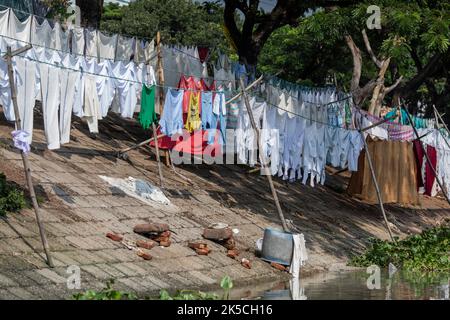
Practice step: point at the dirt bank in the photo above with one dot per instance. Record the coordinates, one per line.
(79, 209)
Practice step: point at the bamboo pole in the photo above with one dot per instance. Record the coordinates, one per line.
(433, 169)
(157, 155)
(375, 182)
(26, 163)
(142, 143)
(261, 158)
(161, 83)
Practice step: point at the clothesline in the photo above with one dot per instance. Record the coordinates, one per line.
(112, 60)
(105, 76)
(54, 21)
(67, 52)
(286, 92)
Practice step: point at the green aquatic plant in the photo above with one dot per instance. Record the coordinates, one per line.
(425, 252)
(12, 198)
(107, 293)
(226, 284)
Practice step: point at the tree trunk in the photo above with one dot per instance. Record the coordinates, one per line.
(91, 12)
(376, 102)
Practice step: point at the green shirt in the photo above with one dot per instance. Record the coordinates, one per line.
(147, 116)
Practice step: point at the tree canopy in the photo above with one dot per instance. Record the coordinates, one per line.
(414, 34)
(179, 21)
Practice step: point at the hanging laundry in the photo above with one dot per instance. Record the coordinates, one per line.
(78, 41)
(92, 110)
(20, 30)
(147, 116)
(50, 94)
(219, 106)
(233, 114)
(193, 121)
(171, 121)
(203, 53)
(207, 110)
(5, 90)
(70, 82)
(107, 46)
(270, 139)
(41, 33)
(400, 133)
(425, 173)
(4, 25)
(20, 139)
(246, 144)
(59, 38)
(150, 53)
(125, 48)
(91, 38)
(126, 83)
(140, 51)
(106, 86)
(356, 146)
(28, 88)
(188, 85)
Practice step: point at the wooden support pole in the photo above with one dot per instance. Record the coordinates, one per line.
(375, 182)
(26, 163)
(433, 169)
(261, 157)
(142, 143)
(157, 155)
(161, 82)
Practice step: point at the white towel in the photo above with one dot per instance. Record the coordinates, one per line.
(299, 256)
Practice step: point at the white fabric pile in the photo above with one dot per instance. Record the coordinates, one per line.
(139, 189)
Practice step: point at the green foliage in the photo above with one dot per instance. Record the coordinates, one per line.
(107, 293)
(314, 52)
(226, 284)
(180, 22)
(57, 9)
(187, 295)
(425, 252)
(12, 199)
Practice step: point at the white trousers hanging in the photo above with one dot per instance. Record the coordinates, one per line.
(92, 111)
(70, 82)
(27, 90)
(50, 94)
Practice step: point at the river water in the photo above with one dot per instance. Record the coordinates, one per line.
(354, 285)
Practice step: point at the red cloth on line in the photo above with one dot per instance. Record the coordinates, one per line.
(429, 179)
(203, 53)
(418, 152)
(187, 84)
(429, 174)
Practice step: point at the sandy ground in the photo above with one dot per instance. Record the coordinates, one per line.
(79, 208)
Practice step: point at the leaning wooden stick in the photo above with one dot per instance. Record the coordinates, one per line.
(25, 160)
(157, 155)
(261, 157)
(375, 182)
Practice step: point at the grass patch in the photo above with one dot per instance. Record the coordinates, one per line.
(12, 198)
(425, 252)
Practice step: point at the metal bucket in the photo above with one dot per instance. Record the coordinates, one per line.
(277, 247)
